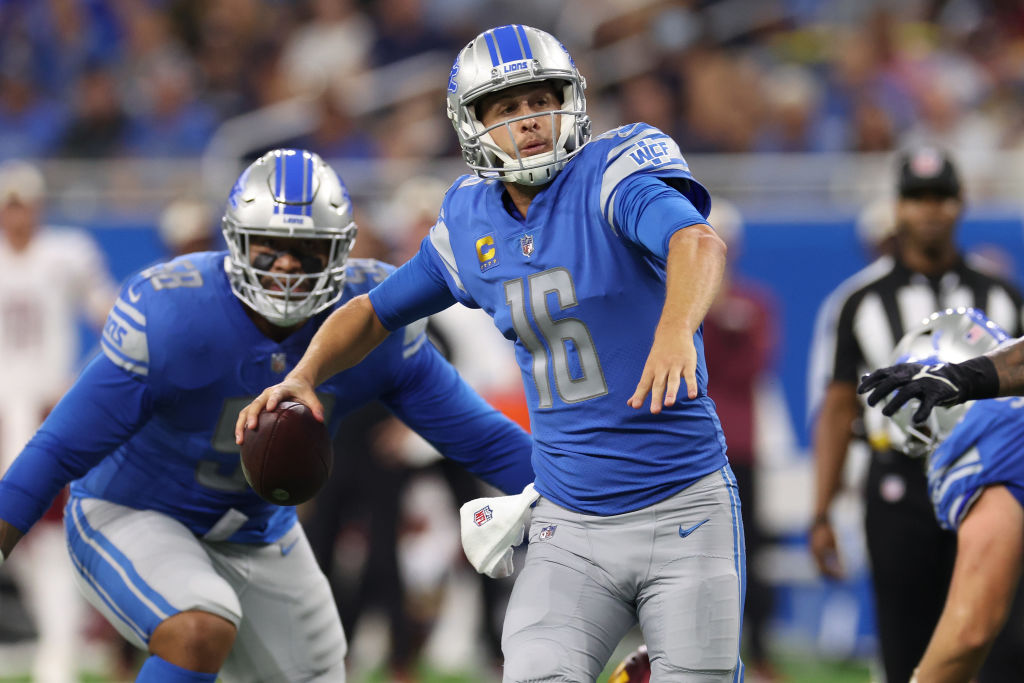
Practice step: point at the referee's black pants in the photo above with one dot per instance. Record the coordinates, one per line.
(912, 564)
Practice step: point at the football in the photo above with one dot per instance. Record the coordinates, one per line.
(288, 457)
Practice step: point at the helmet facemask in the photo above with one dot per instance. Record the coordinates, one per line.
(286, 299)
(288, 202)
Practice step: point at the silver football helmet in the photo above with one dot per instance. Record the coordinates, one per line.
(288, 193)
(507, 56)
(949, 336)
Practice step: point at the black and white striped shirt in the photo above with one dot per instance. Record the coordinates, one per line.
(860, 323)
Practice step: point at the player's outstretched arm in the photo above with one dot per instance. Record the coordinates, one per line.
(990, 551)
(345, 338)
(696, 262)
(1009, 364)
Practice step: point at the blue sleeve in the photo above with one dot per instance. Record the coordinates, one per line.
(649, 211)
(412, 292)
(434, 401)
(99, 413)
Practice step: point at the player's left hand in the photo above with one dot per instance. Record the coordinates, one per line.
(672, 356)
(932, 385)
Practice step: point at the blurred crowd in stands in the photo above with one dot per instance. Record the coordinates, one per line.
(158, 78)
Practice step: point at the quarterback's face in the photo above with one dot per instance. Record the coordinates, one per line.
(531, 136)
(287, 256)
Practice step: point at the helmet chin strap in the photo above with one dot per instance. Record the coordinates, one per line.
(544, 171)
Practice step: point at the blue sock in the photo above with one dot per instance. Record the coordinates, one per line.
(156, 670)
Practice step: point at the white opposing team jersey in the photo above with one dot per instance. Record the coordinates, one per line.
(44, 290)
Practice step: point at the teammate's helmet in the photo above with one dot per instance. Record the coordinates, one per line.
(501, 58)
(288, 193)
(949, 336)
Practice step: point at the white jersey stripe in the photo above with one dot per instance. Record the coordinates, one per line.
(823, 351)
(130, 311)
(441, 241)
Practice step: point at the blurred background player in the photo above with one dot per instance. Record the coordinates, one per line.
(51, 280)
(146, 433)
(741, 341)
(974, 459)
(561, 215)
(856, 330)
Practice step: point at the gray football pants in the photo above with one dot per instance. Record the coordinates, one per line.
(676, 567)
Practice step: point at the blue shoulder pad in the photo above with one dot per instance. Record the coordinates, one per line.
(641, 148)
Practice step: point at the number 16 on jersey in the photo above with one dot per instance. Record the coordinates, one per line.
(563, 338)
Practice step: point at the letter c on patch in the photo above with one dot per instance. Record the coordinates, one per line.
(485, 248)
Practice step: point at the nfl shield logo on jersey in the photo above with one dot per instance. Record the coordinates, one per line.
(277, 362)
(526, 242)
(547, 532)
(483, 515)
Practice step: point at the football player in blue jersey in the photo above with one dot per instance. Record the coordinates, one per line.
(170, 543)
(595, 258)
(975, 463)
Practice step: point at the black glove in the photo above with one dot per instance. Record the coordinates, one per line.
(943, 384)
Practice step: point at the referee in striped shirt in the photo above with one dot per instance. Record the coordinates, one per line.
(856, 330)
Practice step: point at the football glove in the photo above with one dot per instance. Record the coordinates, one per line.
(942, 384)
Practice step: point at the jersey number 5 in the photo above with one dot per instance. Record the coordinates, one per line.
(561, 337)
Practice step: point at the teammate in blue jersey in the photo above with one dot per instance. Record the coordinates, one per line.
(594, 257)
(170, 544)
(975, 466)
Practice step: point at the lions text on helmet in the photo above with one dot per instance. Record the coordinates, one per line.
(289, 229)
(538, 88)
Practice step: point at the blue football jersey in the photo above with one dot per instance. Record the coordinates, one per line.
(573, 287)
(150, 424)
(984, 449)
